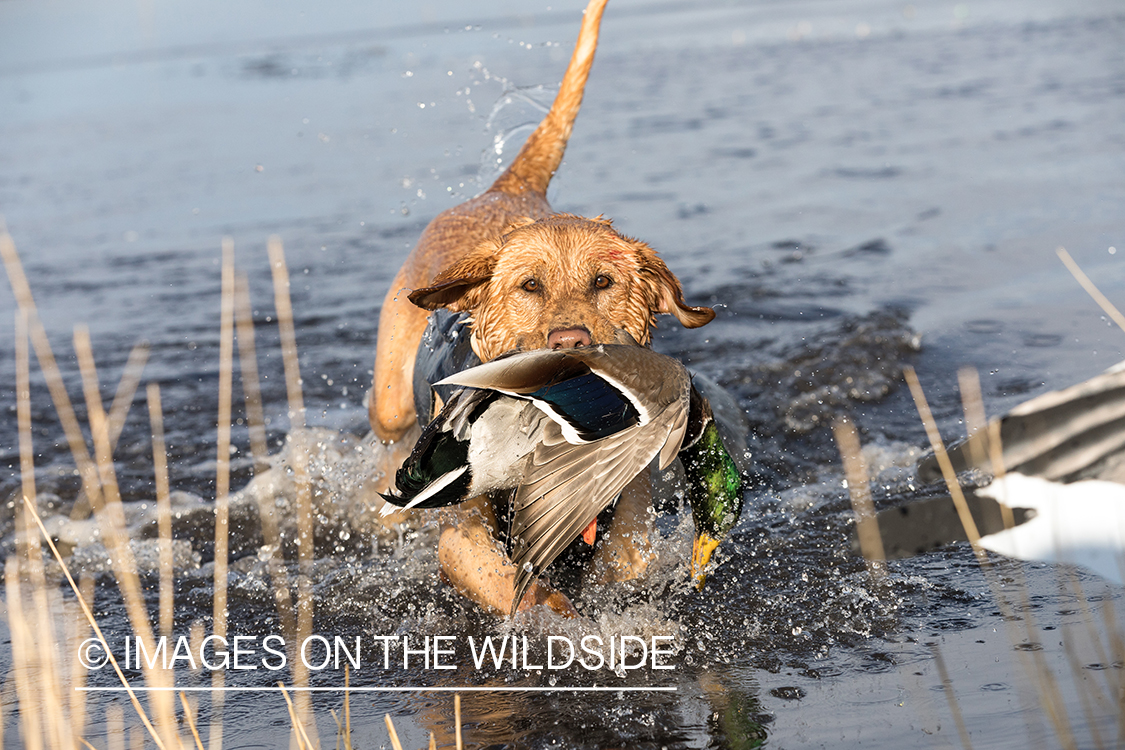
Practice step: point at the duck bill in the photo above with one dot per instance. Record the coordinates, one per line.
(700, 556)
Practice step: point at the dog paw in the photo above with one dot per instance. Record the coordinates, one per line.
(540, 594)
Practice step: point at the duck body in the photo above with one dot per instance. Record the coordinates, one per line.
(485, 437)
(565, 429)
(455, 457)
(714, 485)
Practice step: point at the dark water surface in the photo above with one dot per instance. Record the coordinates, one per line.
(853, 185)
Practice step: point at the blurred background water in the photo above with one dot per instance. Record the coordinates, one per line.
(854, 185)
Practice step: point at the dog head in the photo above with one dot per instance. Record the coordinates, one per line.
(560, 282)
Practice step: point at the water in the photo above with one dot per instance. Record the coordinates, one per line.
(855, 186)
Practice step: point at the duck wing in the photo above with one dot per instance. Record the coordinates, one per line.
(566, 486)
(437, 473)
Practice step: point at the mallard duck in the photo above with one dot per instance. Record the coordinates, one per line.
(1064, 484)
(567, 430)
(714, 485)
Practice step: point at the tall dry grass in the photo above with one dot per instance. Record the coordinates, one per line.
(46, 627)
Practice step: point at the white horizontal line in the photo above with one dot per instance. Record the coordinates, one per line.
(411, 689)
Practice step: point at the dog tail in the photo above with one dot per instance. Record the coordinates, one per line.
(537, 161)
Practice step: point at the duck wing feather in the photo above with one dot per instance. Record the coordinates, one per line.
(567, 486)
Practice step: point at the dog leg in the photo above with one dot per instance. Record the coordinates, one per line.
(391, 404)
(624, 552)
(475, 565)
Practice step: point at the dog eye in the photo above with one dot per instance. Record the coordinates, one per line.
(531, 285)
(603, 282)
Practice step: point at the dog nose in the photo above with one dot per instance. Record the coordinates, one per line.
(568, 338)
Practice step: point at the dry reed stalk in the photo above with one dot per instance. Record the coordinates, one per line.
(433, 742)
(1049, 696)
(23, 668)
(118, 413)
(947, 471)
(222, 484)
(136, 738)
(1103, 302)
(339, 726)
(1117, 646)
(47, 363)
(976, 423)
(300, 470)
(983, 436)
(79, 631)
(248, 366)
(114, 728)
(126, 390)
(1084, 687)
(105, 498)
(347, 708)
(50, 673)
(106, 475)
(303, 742)
(954, 706)
(189, 717)
(30, 545)
(163, 508)
(196, 633)
(457, 719)
(859, 489)
(288, 333)
(391, 731)
(252, 394)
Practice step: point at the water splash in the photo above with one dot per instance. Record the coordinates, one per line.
(514, 116)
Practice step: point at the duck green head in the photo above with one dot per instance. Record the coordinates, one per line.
(714, 493)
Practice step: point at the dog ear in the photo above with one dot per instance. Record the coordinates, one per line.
(665, 293)
(459, 287)
(454, 294)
